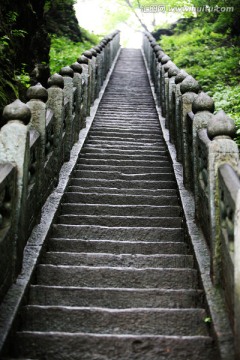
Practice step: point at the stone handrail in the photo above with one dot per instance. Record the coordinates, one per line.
(36, 139)
(210, 161)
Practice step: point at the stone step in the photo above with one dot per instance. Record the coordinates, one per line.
(135, 147)
(122, 155)
(141, 117)
(121, 210)
(116, 247)
(165, 187)
(120, 260)
(126, 121)
(84, 276)
(118, 175)
(100, 189)
(112, 133)
(130, 144)
(129, 120)
(134, 321)
(124, 139)
(141, 104)
(48, 345)
(95, 198)
(123, 151)
(121, 298)
(126, 126)
(123, 221)
(122, 169)
(96, 232)
(125, 135)
(163, 164)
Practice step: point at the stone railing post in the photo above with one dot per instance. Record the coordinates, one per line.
(176, 98)
(98, 70)
(222, 149)
(164, 60)
(170, 105)
(91, 67)
(56, 104)
(86, 88)
(38, 96)
(189, 89)
(160, 54)
(67, 74)
(202, 113)
(14, 148)
(77, 83)
(8, 229)
(237, 276)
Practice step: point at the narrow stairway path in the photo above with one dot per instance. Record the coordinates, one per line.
(117, 281)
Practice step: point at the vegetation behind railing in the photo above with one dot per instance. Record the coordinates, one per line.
(35, 140)
(210, 160)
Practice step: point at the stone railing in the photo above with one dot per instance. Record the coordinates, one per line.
(36, 139)
(210, 161)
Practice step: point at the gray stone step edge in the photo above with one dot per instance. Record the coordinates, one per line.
(216, 309)
(16, 294)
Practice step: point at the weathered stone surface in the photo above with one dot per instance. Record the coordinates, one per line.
(117, 233)
(122, 210)
(109, 220)
(150, 247)
(119, 298)
(203, 102)
(115, 347)
(189, 84)
(116, 277)
(221, 125)
(120, 260)
(17, 111)
(133, 321)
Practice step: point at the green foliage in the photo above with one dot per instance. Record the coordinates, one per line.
(64, 52)
(23, 76)
(89, 37)
(213, 60)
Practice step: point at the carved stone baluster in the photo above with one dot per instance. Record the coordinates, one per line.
(189, 88)
(14, 148)
(55, 103)
(222, 149)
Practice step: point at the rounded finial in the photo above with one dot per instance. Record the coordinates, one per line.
(173, 70)
(165, 59)
(157, 48)
(189, 84)
(56, 80)
(168, 65)
(93, 51)
(17, 110)
(203, 102)
(161, 54)
(221, 125)
(37, 92)
(88, 54)
(180, 76)
(82, 60)
(97, 48)
(77, 68)
(66, 71)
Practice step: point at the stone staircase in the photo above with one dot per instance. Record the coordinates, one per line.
(117, 280)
